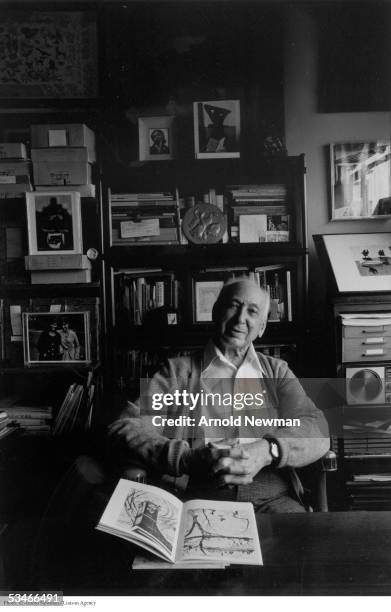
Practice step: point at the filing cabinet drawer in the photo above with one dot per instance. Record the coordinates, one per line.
(374, 348)
(366, 331)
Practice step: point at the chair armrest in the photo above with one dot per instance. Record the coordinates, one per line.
(135, 473)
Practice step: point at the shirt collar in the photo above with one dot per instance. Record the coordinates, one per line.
(212, 356)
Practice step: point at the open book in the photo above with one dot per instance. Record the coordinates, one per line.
(198, 530)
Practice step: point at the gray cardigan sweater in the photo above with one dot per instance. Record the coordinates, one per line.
(143, 443)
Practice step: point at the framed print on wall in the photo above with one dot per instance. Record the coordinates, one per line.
(360, 180)
(360, 262)
(156, 138)
(54, 223)
(62, 338)
(217, 129)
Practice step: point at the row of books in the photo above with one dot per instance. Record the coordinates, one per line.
(259, 213)
(139, 292)
(144, 218)
(137, 295)
(76, 411)
(29, 419)
(255, 213)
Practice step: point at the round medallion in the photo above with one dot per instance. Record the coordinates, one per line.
(204, 224)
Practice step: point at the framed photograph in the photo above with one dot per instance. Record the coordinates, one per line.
(54, 222)
(56, 338)
(156, 138)
(360, 180)
(359, 262)
(205, 295)
(217, 129)
(48, 55)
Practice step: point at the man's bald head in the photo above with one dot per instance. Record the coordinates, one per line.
(240, 313)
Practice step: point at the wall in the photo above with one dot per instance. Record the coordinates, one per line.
(308, 131)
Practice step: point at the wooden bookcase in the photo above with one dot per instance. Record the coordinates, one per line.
(186, 262)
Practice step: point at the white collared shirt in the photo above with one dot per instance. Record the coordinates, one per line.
(216, 366)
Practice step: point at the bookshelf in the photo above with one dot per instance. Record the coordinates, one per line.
(158, 293)
(46, 384)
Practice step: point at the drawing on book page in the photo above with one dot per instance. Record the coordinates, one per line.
(218, 533)
(151, 516)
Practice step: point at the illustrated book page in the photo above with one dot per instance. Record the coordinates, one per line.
(219, 531)
(145, 515)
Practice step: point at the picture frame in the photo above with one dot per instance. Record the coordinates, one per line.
(48, 56)
(156, 138)
(360, 180)
(54, 222)
(56, 338)
(360, 263)
(205, 295)
(216, 129)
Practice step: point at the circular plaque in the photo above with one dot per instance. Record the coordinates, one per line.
(204, 224)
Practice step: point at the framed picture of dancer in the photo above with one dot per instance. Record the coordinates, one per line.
(217, 129)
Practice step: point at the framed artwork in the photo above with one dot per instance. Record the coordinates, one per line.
(205, 295)
(156, 138)
(48, 55)
(217, 129)
(54, 223)
(56, 338)
(360, 262)
(360, 180)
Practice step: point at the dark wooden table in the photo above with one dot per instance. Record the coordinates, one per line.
(344, 553)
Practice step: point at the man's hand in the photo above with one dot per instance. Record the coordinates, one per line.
(240, 464)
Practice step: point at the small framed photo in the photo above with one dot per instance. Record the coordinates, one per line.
(54, 223)
(360, 180)
(56, 338)
(217, 129)
(205, 295)
(156, 138)
(359, 262)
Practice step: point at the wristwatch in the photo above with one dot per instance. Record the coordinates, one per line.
(274, 451)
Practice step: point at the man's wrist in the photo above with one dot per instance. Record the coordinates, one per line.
(274, 450)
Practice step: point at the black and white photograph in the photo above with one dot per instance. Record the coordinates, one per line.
(217, 129)
(54, 223)
(156, 138)
(61, 339)
(361, 180)
(195, 304)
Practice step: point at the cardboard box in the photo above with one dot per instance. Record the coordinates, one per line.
(61, 166)
(13, 150)
(15, 190)
(57, 262)
(64, 135)
(85, 191)
(14, 168)
(57, 277)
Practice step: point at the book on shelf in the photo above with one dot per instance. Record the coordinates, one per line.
(264, 228)
(266, 191)
(276, 280)
(137, 294)
(76, 410)
(197, 531)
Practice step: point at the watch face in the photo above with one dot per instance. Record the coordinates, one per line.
(274, 450)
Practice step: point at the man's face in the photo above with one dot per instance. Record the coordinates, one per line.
(241, 316)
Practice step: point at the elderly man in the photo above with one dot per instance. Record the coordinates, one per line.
(257, 469)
